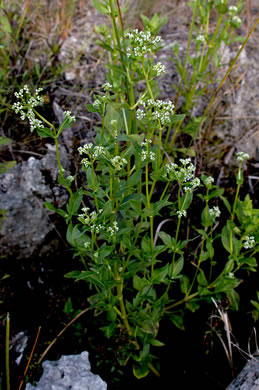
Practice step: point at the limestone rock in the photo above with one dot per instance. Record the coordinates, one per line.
(72, 372)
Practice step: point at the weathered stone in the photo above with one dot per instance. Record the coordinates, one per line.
(23, 189)
(72, 372)
(248, 379)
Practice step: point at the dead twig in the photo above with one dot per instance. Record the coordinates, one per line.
(30, 357)
(60, 334)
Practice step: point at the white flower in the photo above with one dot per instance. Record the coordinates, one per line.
(141, 43)
(181, 213)
(236, 21)
(200, 38)
(159, 69)
(208, 181)
(214, 212)
(86, 163)
(107, 86)
(140, 114)
(26, 103)
(70, 179)
(99, 151)
(241, 156)
(118, 162)
(232, 9)
(85, 149)
(112, 230)
(249, 242)
(67, 115)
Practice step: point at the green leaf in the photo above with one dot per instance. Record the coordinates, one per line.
(225, 238)
(226, 283)
(5, 141)
(5, 166)
(116, 68)
(159, 274)
(45, 132)
(202, 279)
(178, 118)
(140, 372)
(234, 299)
(226, 203)
(185, 284)
(166, 238)
(100, 6)
(177, 319)
(139, 283)
(91, 277)
(176, 268)
(215, 193)
(73, 274)
(109, 330)
(5, 24)
(112, 115)
(210, 249)
(74, 203)
(50, 207)
(68, 309)
(248, 260)
(157, 343)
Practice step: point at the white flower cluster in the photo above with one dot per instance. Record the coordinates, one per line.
(141, 43)
(85, 149)
(214, 212)
(91, 220)
(146, 154)
(181, 213)
(118, 162)
(184, 174)
(159, 69)
(91, 151)
(236, 21)
(208, 181)
(67, 115)
(249, 242)
(25, 104)
(70, 179)
(200, 38)
(100, 100)
(112, 230)
(107, 86)
(241, 156)
(86, 218)
(159, 110)
(191, 185)
(99, 151)
(232, 9)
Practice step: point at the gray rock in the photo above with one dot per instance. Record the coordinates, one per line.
(23, 189)
(71, 372)
(248, 379)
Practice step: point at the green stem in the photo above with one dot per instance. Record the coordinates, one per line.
(184, 300)
(45, 120)
(183, 76)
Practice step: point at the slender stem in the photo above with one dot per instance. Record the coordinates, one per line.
(230, 69)
(30, 357)
(121, 301)
(184, 300)
(45, 120)
(164, 192)
(183, 76)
